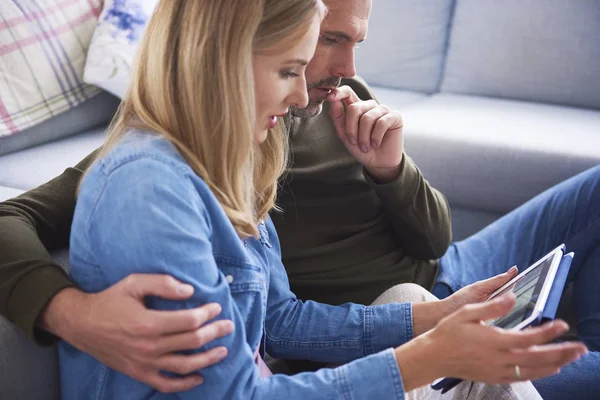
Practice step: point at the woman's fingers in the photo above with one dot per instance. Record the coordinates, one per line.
(533, 336)
(556, 354)
(486, 311)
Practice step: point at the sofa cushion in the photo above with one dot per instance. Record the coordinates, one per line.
(545, 51)
(114, 44)
(493, 155)
(32, 167)
(27, 371)
(42, 53)
(97, 111)
(405, 44)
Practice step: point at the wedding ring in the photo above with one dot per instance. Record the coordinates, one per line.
(517, 372)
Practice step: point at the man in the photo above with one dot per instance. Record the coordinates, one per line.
(358, 218)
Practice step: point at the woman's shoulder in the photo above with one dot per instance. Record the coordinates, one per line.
(138, 145)
(144, 160)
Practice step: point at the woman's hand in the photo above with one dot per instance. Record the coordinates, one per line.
(428, 314)
(479, 292)
(461, 346)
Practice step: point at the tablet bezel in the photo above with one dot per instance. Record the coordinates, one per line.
(557, 254)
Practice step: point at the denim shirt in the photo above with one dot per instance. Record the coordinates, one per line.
(142, 209)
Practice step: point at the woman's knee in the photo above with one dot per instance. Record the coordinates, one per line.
(405, 293)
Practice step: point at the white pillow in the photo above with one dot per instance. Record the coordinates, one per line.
(115, 41)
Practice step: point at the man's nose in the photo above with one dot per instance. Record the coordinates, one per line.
(344, 65)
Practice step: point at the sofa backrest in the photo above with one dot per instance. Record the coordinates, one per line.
(536, 50)
(405, 44)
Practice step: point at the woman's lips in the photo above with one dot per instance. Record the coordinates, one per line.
(272, 121)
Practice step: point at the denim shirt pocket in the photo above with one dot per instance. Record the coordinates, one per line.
(246, 284)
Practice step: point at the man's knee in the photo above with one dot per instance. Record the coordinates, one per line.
(405, 293)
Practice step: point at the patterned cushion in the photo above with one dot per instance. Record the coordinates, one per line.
(114, 44)
(43, 44)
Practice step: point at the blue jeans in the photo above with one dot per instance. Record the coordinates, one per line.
(567, 213)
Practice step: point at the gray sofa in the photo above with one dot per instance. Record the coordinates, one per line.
(501, 100)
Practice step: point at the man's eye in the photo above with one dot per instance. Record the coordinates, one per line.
(327, 40)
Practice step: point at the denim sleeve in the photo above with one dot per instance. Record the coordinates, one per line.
(149, 218)
(320, 332)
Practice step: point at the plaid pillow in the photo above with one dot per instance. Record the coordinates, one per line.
(43, 47)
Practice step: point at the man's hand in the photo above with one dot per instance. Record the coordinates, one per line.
(371, 132)
(115, 327)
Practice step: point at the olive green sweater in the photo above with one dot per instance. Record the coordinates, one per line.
(343, 236)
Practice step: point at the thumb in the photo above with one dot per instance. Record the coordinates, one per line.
(492, 309)
(164, 286)
(495, 282)
(337, 113)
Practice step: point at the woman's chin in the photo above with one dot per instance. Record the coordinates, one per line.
(260, 135)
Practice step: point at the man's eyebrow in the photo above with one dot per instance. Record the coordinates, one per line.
(342, 35)
(297, 61)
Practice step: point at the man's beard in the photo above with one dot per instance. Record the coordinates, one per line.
(315, 106)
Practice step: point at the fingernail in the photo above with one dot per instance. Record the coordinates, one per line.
(364, 148)
(512, 269)
(199, 380)
(221, 353)
(373, 144)
(352, 140)
(185, 289)
(215, 307)
(229, 326)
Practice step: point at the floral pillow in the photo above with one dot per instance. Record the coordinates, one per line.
(112, 51)
(43, 44)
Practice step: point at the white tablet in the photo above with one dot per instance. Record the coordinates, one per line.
(531, 287)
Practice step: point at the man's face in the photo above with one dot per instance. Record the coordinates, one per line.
(345, 26)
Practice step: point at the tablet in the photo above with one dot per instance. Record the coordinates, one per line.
(532, 289)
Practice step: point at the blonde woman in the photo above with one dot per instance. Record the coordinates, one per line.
(184, 185)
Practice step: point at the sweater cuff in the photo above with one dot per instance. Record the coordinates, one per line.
(31, 295)
(401, 190)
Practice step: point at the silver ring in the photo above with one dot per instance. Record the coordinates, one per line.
(517, 372)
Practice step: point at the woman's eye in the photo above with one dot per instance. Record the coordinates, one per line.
(288, 74)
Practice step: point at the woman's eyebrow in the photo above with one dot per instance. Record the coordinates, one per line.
(297, 61)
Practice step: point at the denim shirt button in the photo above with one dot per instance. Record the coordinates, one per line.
(229, 279)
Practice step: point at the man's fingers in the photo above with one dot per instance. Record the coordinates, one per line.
(493, 309)
(166, 384)
(165, 322)
(191, 363)
(354, 113)
(367, 123)
(345, 94)
(195, 339)
(384, 124)
(163, 286)
(338, 117)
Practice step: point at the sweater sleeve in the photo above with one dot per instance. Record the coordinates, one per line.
(419, 213)
(31, 225)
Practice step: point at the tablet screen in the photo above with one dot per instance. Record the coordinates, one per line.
(527, 289)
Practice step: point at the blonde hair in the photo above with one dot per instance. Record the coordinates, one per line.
(193, 84)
